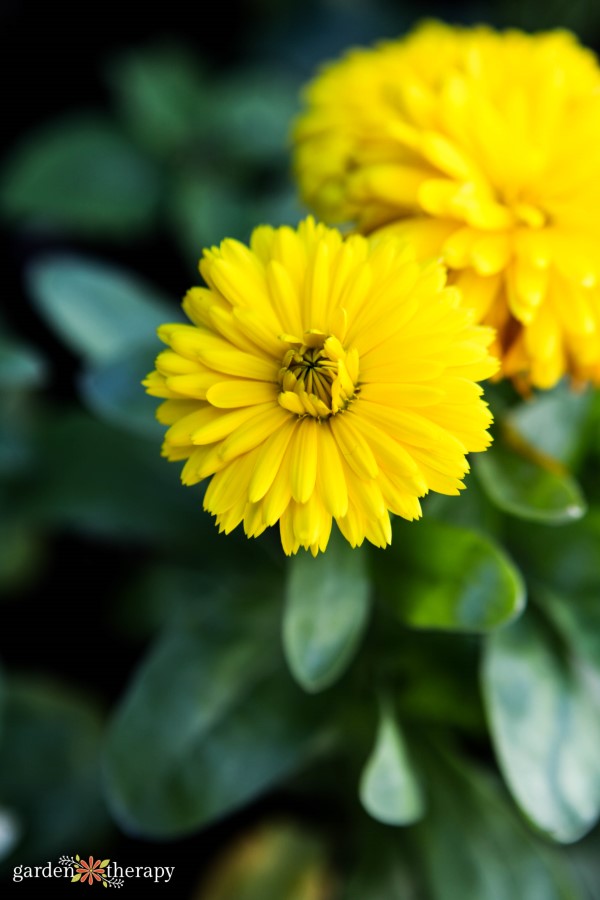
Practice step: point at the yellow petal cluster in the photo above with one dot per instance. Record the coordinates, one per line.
(321, 379)
(483, 148)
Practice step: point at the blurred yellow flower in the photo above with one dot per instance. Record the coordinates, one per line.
(483, 148)
(321, 379)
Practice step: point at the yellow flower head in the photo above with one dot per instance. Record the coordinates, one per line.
(484, 148)
(321, 379)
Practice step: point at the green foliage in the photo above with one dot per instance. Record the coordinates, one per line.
(326, 612)
(80, 175)
(390, 790)
(50, 770)
(210, 722)
(529, 487)
(526, 473)
(94, 479)
(474, 848)
(22, 371)
(252, 113)
(21, 367)
(112, 391)
(159, 97)
(555, 423)
(439, 576)
(202, 211)
(100, 311)
(545, 721)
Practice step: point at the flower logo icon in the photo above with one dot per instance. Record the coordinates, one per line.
(93, 870)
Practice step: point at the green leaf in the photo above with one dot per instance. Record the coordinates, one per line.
(160, 96)
(210, 722)
(577, 617)
(390, 790)
(99, 481)
(99, 310)
(253, 113)
(439, 576)
(546, 729)
(49, 770)
(525, 484)
(81, 175)
(475, 848)
(555, 422)
(164, 594)
(326, 613)
(113, 392)
(21, 367)
(564, 559)
(563, 566)
(470, 509)
(204, 209)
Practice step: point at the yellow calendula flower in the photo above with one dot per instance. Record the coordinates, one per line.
(483, 148)
(321, 379)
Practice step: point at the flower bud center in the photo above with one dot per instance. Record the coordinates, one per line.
(318, 376)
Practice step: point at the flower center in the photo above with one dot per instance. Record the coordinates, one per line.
(529, 214)
(318, 377)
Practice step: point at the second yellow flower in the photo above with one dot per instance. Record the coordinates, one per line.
(481, 147)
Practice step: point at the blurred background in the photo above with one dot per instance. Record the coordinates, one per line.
(133, 137)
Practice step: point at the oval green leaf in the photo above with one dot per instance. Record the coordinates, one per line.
(389, 789)
(100, 311)
(474, 847)
(21, 367)
(113, 392)
(210, 722)
(531, 487)
(546, 730)
(81, 175)
(161, 97)
(326, 612)
(253, 113)
(439, 576)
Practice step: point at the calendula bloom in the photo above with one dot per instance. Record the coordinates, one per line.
(321, 379)
(482, 147)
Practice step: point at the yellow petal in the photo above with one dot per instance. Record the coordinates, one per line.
(240, 393)
(253, 431)
(304, 459)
